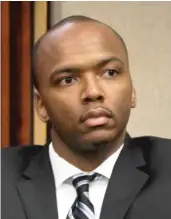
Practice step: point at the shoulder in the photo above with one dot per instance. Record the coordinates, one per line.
(156, 151)
(158, 144)
(16, 159)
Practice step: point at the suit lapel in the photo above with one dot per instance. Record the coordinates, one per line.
(37, 189)
(126, 182)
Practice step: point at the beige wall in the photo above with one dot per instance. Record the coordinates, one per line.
(146, 29)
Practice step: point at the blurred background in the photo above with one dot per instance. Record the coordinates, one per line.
(146, 30)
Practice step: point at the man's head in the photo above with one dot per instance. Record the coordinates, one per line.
(81, 70)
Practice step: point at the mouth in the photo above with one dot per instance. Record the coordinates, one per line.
(96, 117)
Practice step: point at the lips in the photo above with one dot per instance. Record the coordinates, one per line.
(96, 117)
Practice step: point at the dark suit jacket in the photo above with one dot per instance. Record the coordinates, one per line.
(139, 188)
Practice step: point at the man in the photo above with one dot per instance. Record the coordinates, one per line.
(91, 168)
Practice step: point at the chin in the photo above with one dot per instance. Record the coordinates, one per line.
(99, 136)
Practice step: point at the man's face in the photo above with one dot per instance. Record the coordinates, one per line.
(84, 83)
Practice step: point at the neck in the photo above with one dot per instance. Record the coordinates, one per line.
(86, 160)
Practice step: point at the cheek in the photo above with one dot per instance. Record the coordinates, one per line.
(120, 98)
(63, 109)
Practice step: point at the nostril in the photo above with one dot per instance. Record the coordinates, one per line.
(87, 99)
(100, 98)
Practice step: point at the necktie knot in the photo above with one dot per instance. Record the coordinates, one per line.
(81, 182)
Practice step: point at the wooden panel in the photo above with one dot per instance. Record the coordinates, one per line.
(5, 73)
(25, 76)
(20, 77)
(17, 94)
(40, 27)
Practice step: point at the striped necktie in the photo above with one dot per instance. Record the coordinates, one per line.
(82, 207)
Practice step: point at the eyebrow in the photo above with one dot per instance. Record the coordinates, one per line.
(109, 59)
(70, 69)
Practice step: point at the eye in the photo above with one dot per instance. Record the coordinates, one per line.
(111, 73)
(67, 81)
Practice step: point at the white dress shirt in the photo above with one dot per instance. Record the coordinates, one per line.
(65, 191)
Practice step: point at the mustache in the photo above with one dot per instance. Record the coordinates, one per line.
(95, 112)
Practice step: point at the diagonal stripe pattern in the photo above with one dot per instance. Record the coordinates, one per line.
(82, 207)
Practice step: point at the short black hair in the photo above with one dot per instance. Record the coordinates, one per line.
(70, 19)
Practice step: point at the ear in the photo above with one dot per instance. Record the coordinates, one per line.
(40, 107)
(134, 99)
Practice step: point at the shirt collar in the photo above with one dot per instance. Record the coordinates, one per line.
(107, 166)
(63, 170)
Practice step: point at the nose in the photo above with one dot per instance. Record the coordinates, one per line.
(92, 92)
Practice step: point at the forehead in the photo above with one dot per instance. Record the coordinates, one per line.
(80, 43)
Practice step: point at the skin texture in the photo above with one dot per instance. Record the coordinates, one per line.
(82, 66)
